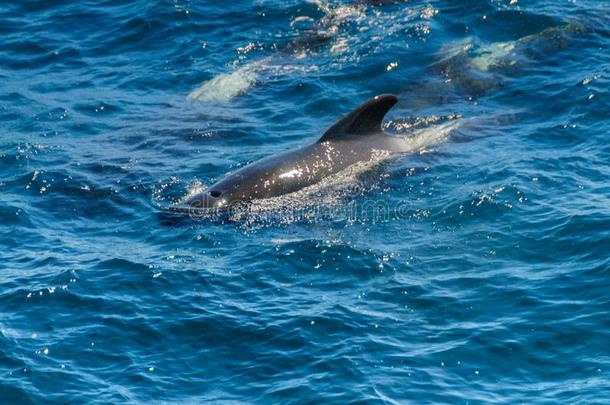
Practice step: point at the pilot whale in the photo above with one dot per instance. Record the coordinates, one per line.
(356, 137)
(320, 34)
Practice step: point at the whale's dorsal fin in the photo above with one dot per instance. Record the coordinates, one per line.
(364, 120)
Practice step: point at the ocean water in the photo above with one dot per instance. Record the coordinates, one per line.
(474, 271)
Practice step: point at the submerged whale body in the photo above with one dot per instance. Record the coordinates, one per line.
(355, 138)
(475, 69)
(320, 34)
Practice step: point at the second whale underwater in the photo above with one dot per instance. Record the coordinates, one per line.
(356, 138)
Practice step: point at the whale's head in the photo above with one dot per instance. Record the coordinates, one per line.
(214, 198)
(208, 199)
(230, 192)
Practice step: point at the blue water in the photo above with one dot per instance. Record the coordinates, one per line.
(489, 283)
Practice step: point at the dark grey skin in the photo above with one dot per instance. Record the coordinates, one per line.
(354, 138)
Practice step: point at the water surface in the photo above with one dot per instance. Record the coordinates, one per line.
(488, 283)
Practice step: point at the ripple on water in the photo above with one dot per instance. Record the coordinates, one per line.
(477, 273)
